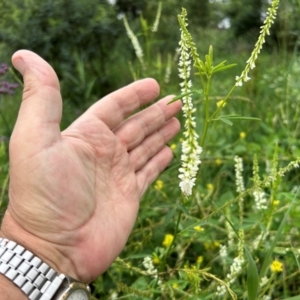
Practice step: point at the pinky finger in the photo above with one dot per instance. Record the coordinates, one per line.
(151, 170)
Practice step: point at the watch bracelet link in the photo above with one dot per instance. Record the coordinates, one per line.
(34, 277)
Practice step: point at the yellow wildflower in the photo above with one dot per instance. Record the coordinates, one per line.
(276, 266)
(168, 240)
(199, 260)
(159, 184)
(243, 135)
(218, 161)
(198, 228)
(156, 260)
(216, 244)
(173, 146)
(210, 186)
(211, 245)
(275, 202)
(175, 285)
(221, 103)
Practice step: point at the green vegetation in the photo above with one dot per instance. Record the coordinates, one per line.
(238, 234)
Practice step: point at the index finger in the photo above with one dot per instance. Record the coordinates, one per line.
(115, 107)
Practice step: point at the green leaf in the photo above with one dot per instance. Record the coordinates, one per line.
(268, 256)
(224, 120)
(238, 117)
(252, 276)
(137, 256)
(169, 216)
(293, 298)
(183, 209)
(222, 68)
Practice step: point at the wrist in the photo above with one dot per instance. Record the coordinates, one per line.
(8, 290)
(46, 251)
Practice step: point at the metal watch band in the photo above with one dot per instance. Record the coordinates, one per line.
(34, 277)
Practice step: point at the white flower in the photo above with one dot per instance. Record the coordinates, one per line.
(135, 43)
(265, 30)
(263, 281)
(151, 270)
(190, 158)
(114, 296)
(168, 69)
(260, 199)
(157, 18)
(223, 251)
(235, 269)
(221, 290)
(238, 174)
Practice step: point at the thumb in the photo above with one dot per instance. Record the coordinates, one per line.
(41, 108)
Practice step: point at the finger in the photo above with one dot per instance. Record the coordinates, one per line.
(134, 130)
(153, 144)
(153, 168)
(115, 107)
(41, 108)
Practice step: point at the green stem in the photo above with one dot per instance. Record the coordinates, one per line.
(207, 120)
(162, 266)
(4, 186)
(6, 123)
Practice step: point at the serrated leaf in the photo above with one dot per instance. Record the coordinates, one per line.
(252, 276)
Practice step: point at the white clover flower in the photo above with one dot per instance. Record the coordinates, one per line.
(265, 30)
(261, 237)
(260, 199)
(148, 264)
(168, 69)
(114, 296)
(190, 158)
(266, 298)
(157, 18)
(135, 43)
(221, 290)
(151, 270)
(263, 281)
(239, 182)
(235, 269)
(223, 251)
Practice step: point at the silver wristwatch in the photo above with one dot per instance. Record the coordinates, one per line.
(35, 278)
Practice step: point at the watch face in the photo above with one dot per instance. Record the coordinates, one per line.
(78, 295)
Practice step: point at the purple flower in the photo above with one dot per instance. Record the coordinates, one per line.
(7, 87)
(3, 68)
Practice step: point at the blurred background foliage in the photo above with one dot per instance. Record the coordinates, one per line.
(85, 41)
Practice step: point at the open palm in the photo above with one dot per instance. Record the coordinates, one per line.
(74, 195)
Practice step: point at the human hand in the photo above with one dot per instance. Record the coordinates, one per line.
(74, 195)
